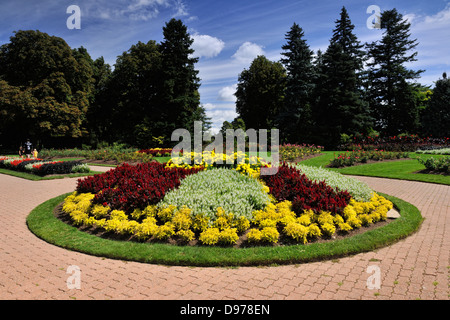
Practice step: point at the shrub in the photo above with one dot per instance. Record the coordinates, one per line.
(133, 187)
(359, 190)
(290, 184)
(209, 190)
(438, 165)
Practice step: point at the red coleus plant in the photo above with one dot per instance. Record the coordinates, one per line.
(133, 187)
(290, 184)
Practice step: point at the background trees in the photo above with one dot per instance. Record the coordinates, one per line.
(260, 93)
(391, 94)
(348, 90)
(60, 97)
(339, 107)
(295, 113)
(436, 117)
(46, 88)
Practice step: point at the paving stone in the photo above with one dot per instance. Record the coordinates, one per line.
(33, 269)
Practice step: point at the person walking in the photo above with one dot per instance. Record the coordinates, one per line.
(28, 146)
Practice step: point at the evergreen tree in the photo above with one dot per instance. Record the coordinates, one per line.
(339, 106)
(391, 93)
(295, 116)
(178, 95)
(260, 93)
(436, 117)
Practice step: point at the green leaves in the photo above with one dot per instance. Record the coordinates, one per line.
(205, 191)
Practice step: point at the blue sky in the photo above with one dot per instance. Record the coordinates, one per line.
(228, 35)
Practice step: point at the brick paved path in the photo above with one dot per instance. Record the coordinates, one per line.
(415, 268)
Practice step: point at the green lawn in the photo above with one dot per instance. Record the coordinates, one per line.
(402, 169)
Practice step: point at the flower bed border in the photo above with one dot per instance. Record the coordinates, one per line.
(45, 225)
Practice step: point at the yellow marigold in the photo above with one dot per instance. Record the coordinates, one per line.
(99, 211)
(325, 217)
(314, 231)
(254, 235)
(328, 229)
(145, 230)
(354, 222)
(228, 236)
(200, 223)
(241, 224)
(210, 236)
(118, 215)
(296, 231)
(186, 235)
(165, 214)
(270, 234)
(69, 206)
(343, 226)
(182, 219)
(304, 219)
(150, 211)
(165, 231)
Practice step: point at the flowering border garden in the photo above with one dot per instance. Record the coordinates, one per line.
(285, 210)
(42, 167)
(44, 224)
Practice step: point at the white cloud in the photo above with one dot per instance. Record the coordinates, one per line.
(227, 93)
(181, 9)
(247, 52)
(137, 10)
(207, 46)
(219, 114)
(442, 17)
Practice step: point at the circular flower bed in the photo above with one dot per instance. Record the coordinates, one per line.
(219, 204)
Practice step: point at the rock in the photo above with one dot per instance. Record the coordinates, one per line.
(393, 214)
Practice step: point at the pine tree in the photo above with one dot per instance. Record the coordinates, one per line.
(295, 116)
(339, 106)
(179, 94)
(391, 93)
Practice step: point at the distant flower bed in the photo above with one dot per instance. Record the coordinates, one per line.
(291, 152)
(350, 158)
(41, 167)
(400, 143)
(445, 151)
(157, 152)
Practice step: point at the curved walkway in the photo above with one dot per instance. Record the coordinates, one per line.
(417, 267)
